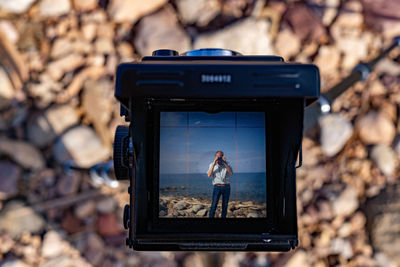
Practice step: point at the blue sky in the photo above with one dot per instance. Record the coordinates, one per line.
(207, 134)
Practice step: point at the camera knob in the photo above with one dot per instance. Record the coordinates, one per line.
(165, 53)
(121, 150)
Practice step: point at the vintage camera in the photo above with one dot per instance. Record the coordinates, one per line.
(184, 108)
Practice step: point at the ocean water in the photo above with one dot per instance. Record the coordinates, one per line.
(244, 186)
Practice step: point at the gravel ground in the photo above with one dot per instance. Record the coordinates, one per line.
(57, 63)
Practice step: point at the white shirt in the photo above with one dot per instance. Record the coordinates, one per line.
(220, 174)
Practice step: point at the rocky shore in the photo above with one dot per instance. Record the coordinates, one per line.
(179, 206)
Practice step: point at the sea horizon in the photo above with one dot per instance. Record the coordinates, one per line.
(245, 186)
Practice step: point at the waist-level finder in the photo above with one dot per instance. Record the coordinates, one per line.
(211, 149)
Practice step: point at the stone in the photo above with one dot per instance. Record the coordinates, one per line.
(383, 219)
(287, 44)
(335, 132)
(95, 249)
(56, 69)
(107, 225)
(15, 6)
(68, 183)
(82, 145)
(23, 153)
(70, 223)
(376, 128)
(330, 12)
(355, 49)
(85, 209)
(16, 218)
(306, 25)
(385, 158)
(199, 12)
(132, 10)
(50, 8)
(44, 128)
(161, 30)
(85, 5)
(6, 89)
(328, 59)
(196, 208)
(248, 36)
(61, 47)
(252, 215)
(298, 259)
(180, 205)
(104, 46)
(202, 212)
(53, 245)
(106, 205)
(347, 203)
(342, 247)
(9, 176)
(14, 263)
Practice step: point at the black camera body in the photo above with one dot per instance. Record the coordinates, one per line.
(209, 83)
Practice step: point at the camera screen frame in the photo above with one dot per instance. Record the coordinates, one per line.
(149, 221)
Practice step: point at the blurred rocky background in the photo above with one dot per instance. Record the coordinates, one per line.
(57, 63)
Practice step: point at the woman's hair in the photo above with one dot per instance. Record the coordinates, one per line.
(219, 151)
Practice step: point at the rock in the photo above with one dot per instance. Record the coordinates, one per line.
(196, 208)
(287, 44)
(200, 12)
(248, 36)
(9, 30)
(335, 132)
(385, 159)
(107, 225)
(43, 129)
(82, 145)
(161, 30)
(85, 209)
(180, 205)
(132, 10)
(61, 47)
(383, 222)
(9, 176)
(342, 247)
(15, 6)
(6, 89)
(104, 46)
(355, 49)
(95, 249)
(50, 8)
(346, 203)
(298, 259)
(106, 205)
(202, 212)
(68, 183)
(23, 153)
(376, 128)
(56, 69)
(16, 218)
(305, 24)
(328, 59)
(85, 5)
(330, 12)
(53, 245)
(14, 263)
(252, 215)
(70, 223)
(381, 16)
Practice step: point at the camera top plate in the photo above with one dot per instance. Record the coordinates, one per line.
(216, 77)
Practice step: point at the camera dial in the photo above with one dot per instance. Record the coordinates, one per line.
(211, 52)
